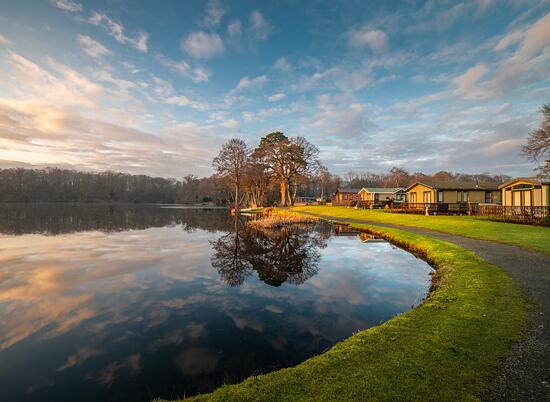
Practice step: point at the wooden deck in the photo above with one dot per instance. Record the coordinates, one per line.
(525, 214)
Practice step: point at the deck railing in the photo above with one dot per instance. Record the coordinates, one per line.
(432, 208)
(513, 213)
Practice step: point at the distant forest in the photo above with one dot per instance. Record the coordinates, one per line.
(63, 185)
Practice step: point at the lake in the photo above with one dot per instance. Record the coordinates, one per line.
(129, 303)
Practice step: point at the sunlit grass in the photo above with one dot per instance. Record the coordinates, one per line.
(532, 237)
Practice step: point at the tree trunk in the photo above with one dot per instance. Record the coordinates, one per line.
(283, 192)
(236, 199)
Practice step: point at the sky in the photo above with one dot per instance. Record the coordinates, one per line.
(157, 87)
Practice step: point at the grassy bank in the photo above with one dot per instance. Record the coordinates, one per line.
(444, 349)
(531, 237)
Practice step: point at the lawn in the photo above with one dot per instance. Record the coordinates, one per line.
(532, 237)
(444, 349)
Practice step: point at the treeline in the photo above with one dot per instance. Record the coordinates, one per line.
(261, 185)
(63, 185)
(398, 177)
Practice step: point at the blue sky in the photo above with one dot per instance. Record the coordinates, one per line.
(157, 87)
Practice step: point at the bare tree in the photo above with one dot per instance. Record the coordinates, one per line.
(256, 181)
(398, 177)
(230, 164)
(538, 143)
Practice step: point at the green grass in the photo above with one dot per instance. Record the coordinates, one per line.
(531, 237)
(444, 349)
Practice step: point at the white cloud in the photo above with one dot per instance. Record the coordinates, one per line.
(374, 39)
(248, 83)
(46, 135)
(217, 115)
(336, 123)
(467, 84)
(116, 30)
(106, 76)
(195, 74)
(234, 29)
(248, 116)
(67, 5)
(509, 39)
(529, 62)
(214, 14)
(185, 101)
(35, 83)
(202, 45)
(283, 65)
(259, 27)
(231, 124)
(92, 47)
(276, 97)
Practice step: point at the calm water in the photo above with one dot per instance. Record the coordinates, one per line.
(132, 303)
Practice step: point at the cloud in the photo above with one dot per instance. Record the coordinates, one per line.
(282, 65)
(80, 357)
(4, 41)
(195, 74)
(467, 84)
(276, 97)
(68, 87)
(67, 5)
(375, 39)
(106, 76)
(185, 101)
(132, 364)
(231, 124)
(509, 39)
(528, 63)
(334, 123)
(249, 83)
(92, 47)
(45, 135)
(259, 28)
(116, 30)
(234, 29)
(214, 14)
(202, 45)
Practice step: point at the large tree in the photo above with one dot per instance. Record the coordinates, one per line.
(230, 164)
(538, 144)
(256, 181)
(289, 160)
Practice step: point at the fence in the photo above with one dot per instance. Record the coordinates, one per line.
(439, 208)
(529, 214)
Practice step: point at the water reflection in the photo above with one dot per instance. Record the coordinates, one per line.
(289, 254)
(119, 314)
(54, 219)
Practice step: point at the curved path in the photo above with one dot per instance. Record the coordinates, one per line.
(525, 372)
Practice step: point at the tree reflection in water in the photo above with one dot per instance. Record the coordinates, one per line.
(289, 254)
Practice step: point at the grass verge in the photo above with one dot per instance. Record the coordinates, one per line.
(532, 237)
(444, 349)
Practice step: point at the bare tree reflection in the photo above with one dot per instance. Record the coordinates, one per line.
(228, 257)
(290, 254)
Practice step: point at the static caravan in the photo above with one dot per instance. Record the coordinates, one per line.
(526, 192)
(345, 196)
(378, 195)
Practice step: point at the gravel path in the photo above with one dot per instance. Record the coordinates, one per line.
(525, 372)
